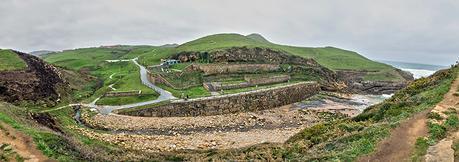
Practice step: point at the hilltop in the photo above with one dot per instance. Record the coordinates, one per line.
(11, 61)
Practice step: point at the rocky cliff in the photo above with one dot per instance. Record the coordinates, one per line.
(340, 80)
(257, 55)
(39, 82)
(356, 84)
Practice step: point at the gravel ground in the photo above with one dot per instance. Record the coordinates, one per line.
(197, 141)
(228, 131)
(282, 117)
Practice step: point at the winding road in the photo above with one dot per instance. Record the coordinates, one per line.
(163, 94)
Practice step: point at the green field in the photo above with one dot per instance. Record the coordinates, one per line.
(125, 75)
(90, 58)
(126, 100)
(11, 61)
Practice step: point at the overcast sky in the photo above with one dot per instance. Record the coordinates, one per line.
(423, 31)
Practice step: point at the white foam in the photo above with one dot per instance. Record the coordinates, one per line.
(418, 73)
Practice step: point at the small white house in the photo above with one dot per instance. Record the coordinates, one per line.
(168, 62)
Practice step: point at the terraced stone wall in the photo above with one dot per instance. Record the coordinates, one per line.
(233, 103)
(216, 69)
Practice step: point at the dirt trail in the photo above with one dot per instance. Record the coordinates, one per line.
(400, 144)
(21, 144)
(443, 151)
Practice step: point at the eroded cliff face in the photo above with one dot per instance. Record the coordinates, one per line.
(356, 84)
(245, 55)
(40, 82)
(344, 81)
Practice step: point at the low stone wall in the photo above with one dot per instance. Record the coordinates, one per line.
(233, 103)
(267, 79)
(212, 69)
(123, 94)
(250, 81)
(217, 86)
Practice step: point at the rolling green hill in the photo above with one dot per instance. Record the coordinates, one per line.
(10, 61)
(92, 57)
(330, 57)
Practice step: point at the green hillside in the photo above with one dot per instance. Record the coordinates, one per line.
(123, 75)
(330, 57)
(92, 57)
(333, 58)
(10, 61)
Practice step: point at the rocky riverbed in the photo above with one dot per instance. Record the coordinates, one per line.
(229, 131)
(203, 132)
(347, 104)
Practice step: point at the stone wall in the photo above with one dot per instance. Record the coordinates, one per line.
(232, 103)
(212, 69)
(250, 81)
(267, 79)
(217, 86)
(124, 93)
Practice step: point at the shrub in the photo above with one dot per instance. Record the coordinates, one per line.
(436, 131)
(452, 122)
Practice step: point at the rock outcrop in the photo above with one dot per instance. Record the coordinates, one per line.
(257, 55)
(39, 82)
(356, 84)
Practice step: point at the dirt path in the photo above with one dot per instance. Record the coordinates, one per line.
(443, 151)
(400, 144)
(21, 144)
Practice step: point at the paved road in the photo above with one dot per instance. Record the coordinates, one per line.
(164, 95)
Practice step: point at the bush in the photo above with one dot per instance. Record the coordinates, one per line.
(420, 149)
(436, 131)
(452, 122)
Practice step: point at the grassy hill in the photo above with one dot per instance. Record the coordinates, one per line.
(123, 75)
(330, 57)
(92, 57)
(10, 61)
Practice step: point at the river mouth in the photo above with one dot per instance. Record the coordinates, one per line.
(347, 104)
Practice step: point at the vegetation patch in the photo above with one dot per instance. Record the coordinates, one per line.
(11, 61)
(126, 99)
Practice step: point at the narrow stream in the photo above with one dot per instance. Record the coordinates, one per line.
(77, 116)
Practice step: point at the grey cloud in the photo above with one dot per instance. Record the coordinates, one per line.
(410, 30)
